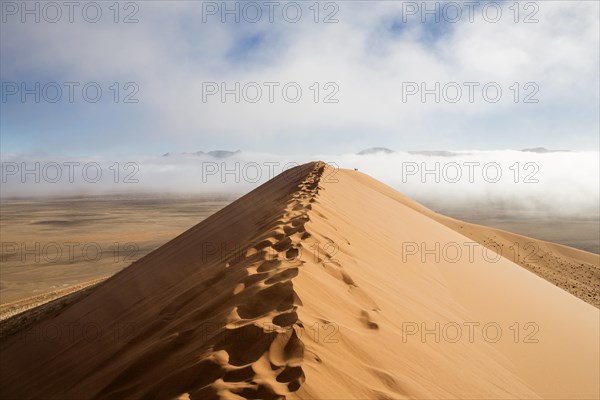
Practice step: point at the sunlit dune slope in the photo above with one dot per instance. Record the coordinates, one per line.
(320, 284)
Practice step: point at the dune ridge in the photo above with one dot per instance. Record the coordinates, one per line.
(266, 312)
(301, 289)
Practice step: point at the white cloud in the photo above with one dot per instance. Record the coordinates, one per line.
(561, 183)
(171, 52)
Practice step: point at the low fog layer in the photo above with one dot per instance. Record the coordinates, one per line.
(554, 182)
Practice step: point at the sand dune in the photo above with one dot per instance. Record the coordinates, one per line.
(322, 285)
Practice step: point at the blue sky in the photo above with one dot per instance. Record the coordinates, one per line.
(368, 55)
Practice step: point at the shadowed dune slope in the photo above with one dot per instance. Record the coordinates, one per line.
(318, 284)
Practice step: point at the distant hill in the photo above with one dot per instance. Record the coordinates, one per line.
(212, 153)
(375, 150)
(543, 150)
(439, 153)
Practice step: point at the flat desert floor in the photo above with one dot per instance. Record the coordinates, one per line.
(581, 232)
(51, 245)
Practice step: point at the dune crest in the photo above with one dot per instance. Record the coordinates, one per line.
(310, 287)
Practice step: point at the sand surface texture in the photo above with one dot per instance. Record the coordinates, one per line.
(320, 284)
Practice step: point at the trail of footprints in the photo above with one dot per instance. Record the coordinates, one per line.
(260, 354)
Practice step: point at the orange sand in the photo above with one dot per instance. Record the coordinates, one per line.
(311, 287)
